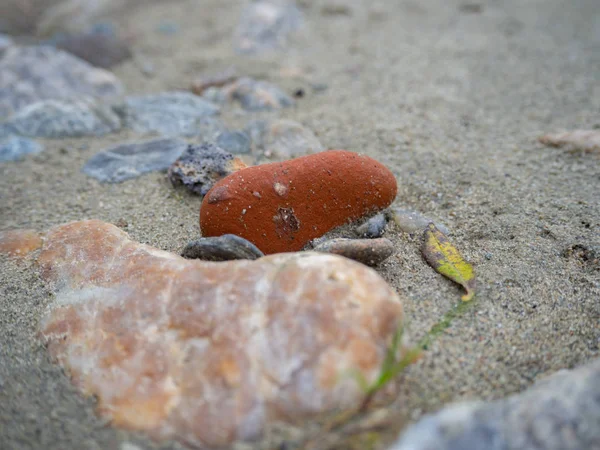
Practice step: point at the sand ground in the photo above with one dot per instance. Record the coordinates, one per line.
(452, 99)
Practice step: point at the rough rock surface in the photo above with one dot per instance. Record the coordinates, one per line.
(13, 148)
(168, 113)
(211, 353)
(279, 207)
(126, 161)
(265, 25)
(64, 118)
(201, 166)
(31, 74)
(19, 243)
(560, 412)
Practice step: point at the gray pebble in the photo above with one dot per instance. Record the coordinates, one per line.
(221, 248)
(99, 48)
(168, 114)
(265, 25)
(13, 148)
(31, 74)
(560, 412)
(236, 142)
(370, 252)
(374, 227)
(282, 139)
(201, 166)
(64, 118)
(411, 221)
(127, 161)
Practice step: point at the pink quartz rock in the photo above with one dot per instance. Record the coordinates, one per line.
(211, 353)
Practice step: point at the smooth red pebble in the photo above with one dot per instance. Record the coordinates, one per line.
(281, 206)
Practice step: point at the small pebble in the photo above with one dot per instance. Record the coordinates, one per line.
(201, 166)
(14, 148)
(265, 25)
(370, 252)
(64, 118)
(222, 248)
(282, 139)
(126, 161)
(168, 113)
(99, 48)
(411, 221)
(374, 227)
(215, 81)
(253, 95)
(236, 142)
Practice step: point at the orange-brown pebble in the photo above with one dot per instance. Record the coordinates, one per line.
(19, 243)
(281, 206)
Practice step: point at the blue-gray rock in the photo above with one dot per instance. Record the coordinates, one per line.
(127, 161)
(168, 114)
(201, 166)
(64, 118)
(5, 42)
(411, 221)
(13, 148)
(374, 227)
(221, 248)
(560, 412)
(31, 74)
(236, 142)
(265, 25)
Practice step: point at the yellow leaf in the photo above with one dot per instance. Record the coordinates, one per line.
(444, 258)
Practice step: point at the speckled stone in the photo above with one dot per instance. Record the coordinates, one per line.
(211, 353)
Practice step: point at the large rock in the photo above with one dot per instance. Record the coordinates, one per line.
(31, 74)
(132, 160)
(168, 113)
(561, 412)
(211, 353)
(64, 118)
(279, 207)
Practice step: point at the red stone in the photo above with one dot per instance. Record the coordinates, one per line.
(281, 206)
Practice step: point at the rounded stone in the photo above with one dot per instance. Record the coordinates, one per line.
(281, 206)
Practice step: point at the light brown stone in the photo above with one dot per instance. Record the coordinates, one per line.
(211, 353)
(19, 243)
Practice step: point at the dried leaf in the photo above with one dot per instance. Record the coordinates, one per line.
(583, 140)
(446, 259)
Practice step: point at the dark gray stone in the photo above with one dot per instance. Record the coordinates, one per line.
(168, 114)
(13, 148)
(31, 74)
(236, 142)
(221, 248)
(370, 252)
(374, 227)
(64, 118)
(127, 161)
(265, 25)
(560, 412)
(201, 166)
